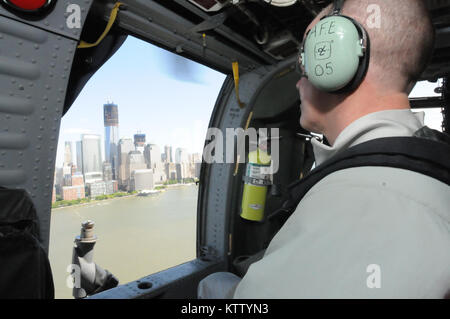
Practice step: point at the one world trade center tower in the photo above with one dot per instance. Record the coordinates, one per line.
(111, 117)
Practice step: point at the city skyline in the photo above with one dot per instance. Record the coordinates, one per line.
(140, 167)
(77, 158)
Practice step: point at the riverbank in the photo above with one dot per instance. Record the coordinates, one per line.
(179, 184)
(103, 198)
(89, 201)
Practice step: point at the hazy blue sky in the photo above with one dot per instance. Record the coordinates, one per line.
(167, 97)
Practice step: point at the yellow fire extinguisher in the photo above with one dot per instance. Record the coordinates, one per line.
(256, 182)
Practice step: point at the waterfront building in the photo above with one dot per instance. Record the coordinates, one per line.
(198, 168)
(77, 180)
(99, 188)
(135, 161)
(152, 155)
(67, 175)
(91, 157)
(73, 192)
(115, 186)
(181, 156)
(197, 164)
(111, 121)
(58, 181)
(68, 158)
(79, 157)
(183, 171)
(141, 179)
(168, 154)
(96, 188)
(125, 147)
(110, 187)
(171, 171)
(107, 171)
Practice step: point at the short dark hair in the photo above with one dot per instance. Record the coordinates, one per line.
(401, 44)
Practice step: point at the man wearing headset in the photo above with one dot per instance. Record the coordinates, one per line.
(364, 232)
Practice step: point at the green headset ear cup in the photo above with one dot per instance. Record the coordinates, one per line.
(333, 53)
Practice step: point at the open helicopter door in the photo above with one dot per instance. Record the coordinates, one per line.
(223, 238)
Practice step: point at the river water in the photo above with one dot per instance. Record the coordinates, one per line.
(137, 236)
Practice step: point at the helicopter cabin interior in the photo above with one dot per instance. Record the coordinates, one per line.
(263, 37)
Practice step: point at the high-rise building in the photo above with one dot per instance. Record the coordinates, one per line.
(92, 157)
(181, 156)
(79, 158)
(68, 160)
(168, 154)
(139, 142)
(107, 171)
(152, 155)
(67, 175)
(59, 179)
(125, 147)
(135, 161)
(141, 179)
(197, 164)
(111, 120)
(171, 171)
(183, 171)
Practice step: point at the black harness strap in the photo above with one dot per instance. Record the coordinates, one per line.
(428, 154)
